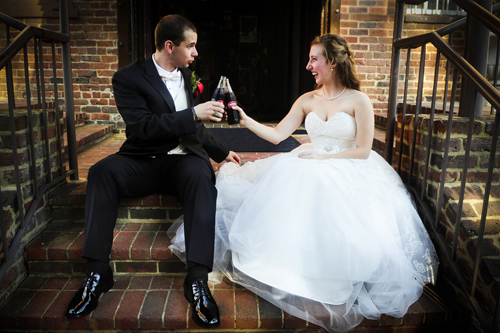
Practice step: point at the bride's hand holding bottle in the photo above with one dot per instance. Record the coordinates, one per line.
(243, 116)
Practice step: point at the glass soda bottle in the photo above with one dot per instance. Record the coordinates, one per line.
(233, 116)
(218, 95)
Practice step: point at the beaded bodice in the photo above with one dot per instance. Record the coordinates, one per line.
(335, 135)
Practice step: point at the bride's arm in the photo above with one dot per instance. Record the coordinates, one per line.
(283, 130)
(303, 146)
(365, 123)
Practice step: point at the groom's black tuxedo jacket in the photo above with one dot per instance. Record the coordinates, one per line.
(153, 127)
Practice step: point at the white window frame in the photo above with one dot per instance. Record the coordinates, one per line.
(423, 9)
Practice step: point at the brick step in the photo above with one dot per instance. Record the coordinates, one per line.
(470, 224)
(88, 135)
(426, 107)
(68, 205)
(379, 140)
(80, 118)
(22, 104)
(380, 121)
(154, 303)
(138, 248)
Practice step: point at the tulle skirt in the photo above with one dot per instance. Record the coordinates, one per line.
(329, 241)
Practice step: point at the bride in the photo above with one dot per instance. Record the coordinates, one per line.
(327, 232)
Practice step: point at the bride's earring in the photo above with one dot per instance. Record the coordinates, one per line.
(333, 69)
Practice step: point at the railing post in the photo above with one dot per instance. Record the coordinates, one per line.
(3, 235)
(477, 38)
(394, 79)
(68, 91)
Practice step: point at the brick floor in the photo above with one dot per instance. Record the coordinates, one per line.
(138, 248)
(149, 303)
(147, 273)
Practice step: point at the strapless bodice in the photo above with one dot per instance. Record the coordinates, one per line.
(333, 136)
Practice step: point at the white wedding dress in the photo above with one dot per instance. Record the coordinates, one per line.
(329, 241)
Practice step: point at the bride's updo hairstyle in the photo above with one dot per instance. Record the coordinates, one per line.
(337, 51)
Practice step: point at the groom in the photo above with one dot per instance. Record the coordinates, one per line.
(168, 149)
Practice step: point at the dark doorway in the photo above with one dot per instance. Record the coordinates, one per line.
(262, 46)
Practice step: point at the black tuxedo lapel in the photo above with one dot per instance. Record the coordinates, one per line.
(187, 84)
(154, 79)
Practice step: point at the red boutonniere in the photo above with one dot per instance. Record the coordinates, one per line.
(196, 84)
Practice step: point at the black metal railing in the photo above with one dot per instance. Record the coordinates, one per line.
(41, 176)
(483, 88)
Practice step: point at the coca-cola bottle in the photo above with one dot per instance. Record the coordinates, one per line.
(218, 95)
(233, 116)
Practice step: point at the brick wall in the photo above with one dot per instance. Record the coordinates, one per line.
(94, 59)
(368, 27)
(487, 288)
(366, 24)
(25, 231)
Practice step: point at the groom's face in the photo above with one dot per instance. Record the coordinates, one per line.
(184, 54)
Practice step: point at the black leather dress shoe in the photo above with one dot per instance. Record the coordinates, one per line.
(86, 298)
(203, 306)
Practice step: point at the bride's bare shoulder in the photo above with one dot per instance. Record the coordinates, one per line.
(361, 102)
(310, 95)
(359, 98)
(308, 99)
(358, 94)
(305, 101)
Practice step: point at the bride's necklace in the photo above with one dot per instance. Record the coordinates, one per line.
(335, 97)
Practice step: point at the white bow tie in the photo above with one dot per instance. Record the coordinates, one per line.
(171, 76)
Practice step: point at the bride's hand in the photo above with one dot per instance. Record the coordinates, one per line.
(233, 157)
(310, 154)
(243, 115)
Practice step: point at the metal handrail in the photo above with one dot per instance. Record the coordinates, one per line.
(24, 37)
(481, 87)
(480, 83)
(20, 42)
(12, 22)
(459, 24)
(418, 41)
(481, 14)
(452, 27)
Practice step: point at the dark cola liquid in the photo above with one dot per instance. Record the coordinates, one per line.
(233, 116)
(218, 95)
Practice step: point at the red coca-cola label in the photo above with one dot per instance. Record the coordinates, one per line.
(231, 104)
(220, 101)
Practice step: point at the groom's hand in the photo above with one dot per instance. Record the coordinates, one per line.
(213, 111)
(233, 157)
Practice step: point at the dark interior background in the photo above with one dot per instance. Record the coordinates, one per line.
(262, 46)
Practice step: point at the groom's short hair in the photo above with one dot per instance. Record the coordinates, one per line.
(171, 27)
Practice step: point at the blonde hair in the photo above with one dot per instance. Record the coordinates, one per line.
(337, 51)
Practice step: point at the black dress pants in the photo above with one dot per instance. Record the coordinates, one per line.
(189, 178)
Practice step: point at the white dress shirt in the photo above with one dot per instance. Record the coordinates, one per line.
(175, 88)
